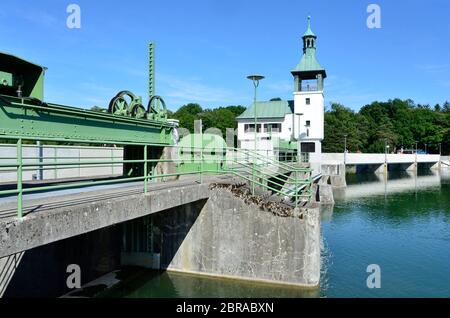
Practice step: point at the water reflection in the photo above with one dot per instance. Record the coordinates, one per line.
(154, 284)
(367, 185)
(400, 223)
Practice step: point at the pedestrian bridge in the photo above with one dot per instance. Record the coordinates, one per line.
(381, 162)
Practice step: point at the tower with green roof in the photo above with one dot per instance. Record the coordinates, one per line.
(309, 69)
(290, 126)
(309, 100)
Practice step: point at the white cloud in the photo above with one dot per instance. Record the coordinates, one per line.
(193, 90)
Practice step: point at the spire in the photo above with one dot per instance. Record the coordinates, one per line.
(309, 68)
(309, 32)
(309, 61)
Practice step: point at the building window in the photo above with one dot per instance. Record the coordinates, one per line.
(248, 128)
(308, 101)
(308, 123)
(274, 128)
(308, 147)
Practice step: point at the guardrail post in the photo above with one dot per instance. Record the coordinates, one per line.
(297, 189)
(253, 174)
(145, 170)
(201, 159)
(19, 179)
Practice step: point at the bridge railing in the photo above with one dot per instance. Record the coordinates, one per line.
(265, 174)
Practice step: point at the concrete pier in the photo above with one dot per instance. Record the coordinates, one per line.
(179, 226)
(229, 238)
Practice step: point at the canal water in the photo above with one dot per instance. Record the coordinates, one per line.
(400, 223)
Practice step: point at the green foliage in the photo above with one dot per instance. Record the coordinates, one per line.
(221, 117)
(98, 109)
(341, 123)
(186, 114)
(397, 123)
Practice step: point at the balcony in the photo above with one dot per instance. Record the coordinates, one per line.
(309, 88)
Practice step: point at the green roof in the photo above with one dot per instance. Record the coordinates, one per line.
(308, 63)
(309, 32)
(270, 109)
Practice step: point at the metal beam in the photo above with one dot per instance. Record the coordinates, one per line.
(151, 70)
(22, 118)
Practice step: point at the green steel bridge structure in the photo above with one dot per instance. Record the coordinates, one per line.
(144, 133)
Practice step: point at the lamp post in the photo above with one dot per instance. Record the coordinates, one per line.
(299, 143)
(385, 152)
(416, 156)
(255, 79)
(345, 149)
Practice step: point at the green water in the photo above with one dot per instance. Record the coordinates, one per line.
(405, 230)
(401, 224)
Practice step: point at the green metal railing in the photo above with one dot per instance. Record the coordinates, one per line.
(267, 175)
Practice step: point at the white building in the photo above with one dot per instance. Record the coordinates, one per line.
(282, 124)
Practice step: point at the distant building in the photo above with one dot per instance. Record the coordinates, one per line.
(281, 124)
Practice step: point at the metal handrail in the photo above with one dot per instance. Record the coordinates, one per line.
(264, 175)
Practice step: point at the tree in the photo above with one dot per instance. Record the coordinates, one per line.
(98, 109)
(398, 122)
(342, 123)
(446, 107)
(221, 118)
(186, 114)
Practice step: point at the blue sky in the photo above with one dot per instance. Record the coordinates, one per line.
(205, 49)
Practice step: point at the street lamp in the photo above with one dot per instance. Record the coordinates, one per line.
(386, 147)
(299, 144)
(416, 156)
(255, 79)
(345, 148)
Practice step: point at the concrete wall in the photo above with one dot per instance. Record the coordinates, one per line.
(445, 162)
(313, 112)
(54, 224)
(229, 238)
(42, 271)
(210, 232)
(65, 154)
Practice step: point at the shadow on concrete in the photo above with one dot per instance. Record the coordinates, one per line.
(42, 271)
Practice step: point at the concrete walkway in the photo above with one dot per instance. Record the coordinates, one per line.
(60, 216)
(34, 202)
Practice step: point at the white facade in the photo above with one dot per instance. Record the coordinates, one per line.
(265, 138)
(310, 124)
(312, 119)
(302, 120)
(307, 127)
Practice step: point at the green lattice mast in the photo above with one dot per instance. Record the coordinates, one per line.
(151, 70)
